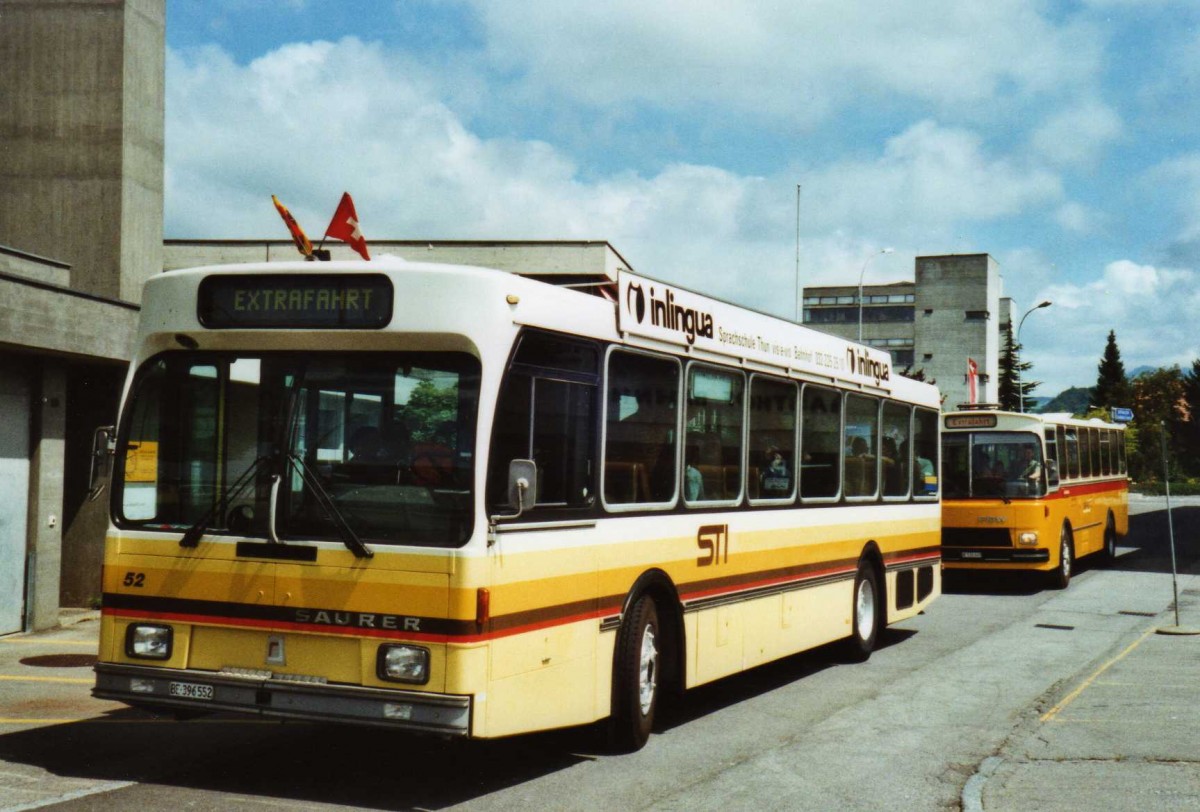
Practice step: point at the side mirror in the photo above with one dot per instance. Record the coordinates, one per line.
(522, 485)
(104, 445)
(522, 493)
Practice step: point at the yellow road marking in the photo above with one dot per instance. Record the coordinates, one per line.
(69, 680)
(1049, 716)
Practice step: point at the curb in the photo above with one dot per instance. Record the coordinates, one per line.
(972, 793)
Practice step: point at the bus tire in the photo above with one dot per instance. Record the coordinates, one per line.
(636, 669)
(1109, 554)
(1060, 578)
(865, 606)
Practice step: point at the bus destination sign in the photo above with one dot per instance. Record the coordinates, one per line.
(324, 301)
(971, 421)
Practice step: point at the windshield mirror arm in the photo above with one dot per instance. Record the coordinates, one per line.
(349, 537)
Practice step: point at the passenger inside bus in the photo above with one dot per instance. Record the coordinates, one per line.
(776, 479)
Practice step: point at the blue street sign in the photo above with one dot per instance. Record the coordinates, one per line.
(1122, 415)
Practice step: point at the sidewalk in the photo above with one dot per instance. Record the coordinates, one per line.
(1125, 736)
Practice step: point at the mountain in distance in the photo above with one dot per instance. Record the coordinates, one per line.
(1074, 400)
(1142, 370)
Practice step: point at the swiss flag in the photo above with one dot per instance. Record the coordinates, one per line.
(344, 226)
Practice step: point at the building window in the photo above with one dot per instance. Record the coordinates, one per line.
(977, 315)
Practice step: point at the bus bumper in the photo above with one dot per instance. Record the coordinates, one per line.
(973, 555)
(269, 695)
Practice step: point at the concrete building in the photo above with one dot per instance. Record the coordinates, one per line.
(81, 167)
(954, 309)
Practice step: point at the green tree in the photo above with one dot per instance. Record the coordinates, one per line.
(1190, 428)
(1112, 387)
(1013, 386)
(1158, 399)
(431, 412)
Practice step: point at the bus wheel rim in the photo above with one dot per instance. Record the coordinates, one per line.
(865, 609)
(647, 671)
(1065, 556)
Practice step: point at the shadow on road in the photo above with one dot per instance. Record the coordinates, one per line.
(1150, 540)
(356, 766)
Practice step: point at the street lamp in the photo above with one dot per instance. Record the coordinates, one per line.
(860, 285)
(1016, 362)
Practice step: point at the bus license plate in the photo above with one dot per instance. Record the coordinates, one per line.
(191, 690)
(971, 554)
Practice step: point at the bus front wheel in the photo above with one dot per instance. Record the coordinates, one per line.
(864, 623)
(636, 677)
(1061, 576)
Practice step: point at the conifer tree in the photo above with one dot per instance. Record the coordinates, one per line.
(1112, 387)
(1012, 386)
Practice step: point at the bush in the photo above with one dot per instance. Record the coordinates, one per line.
(1154, 487)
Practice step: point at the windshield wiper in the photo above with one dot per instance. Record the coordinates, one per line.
(191, 536)
(349, 537)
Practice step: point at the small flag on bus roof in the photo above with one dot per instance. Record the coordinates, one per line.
(344, 226)
(298, 236)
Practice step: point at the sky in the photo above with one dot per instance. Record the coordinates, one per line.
(740, 149)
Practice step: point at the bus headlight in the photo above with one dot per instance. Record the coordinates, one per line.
(401, 663)
(1029, 539)
(148, 641)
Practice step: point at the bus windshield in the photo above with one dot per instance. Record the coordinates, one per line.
(387, 438)
(992, 464)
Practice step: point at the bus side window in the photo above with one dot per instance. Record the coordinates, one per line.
(641, 426)
(861, 461)
(820, 443)
(925, 453)
(895, 448)
(772, 452)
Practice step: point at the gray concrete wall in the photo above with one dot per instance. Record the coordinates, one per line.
(81, 123)
(46, 467)
(37, 318)
(948, 288)
(141, 226)
(33, 267)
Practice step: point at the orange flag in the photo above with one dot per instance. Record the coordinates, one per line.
(344, 226)
(298, 236)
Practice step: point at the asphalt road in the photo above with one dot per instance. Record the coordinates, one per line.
(916, 727)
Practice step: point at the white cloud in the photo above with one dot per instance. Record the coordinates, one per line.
(308, 121)
(1077, 136)
(929, 178)
(1077, 218)
(1179, 180)
(1150, 308)
(794, 60)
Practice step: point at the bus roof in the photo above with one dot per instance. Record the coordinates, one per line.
(648, 313)
(967, 419)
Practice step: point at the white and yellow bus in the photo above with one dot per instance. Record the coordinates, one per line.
(461, 501)
(1030, 491)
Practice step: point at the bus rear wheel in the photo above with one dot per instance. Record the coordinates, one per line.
(636, 677)
(864, 624)
(1110, 542)
(1061, 576)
